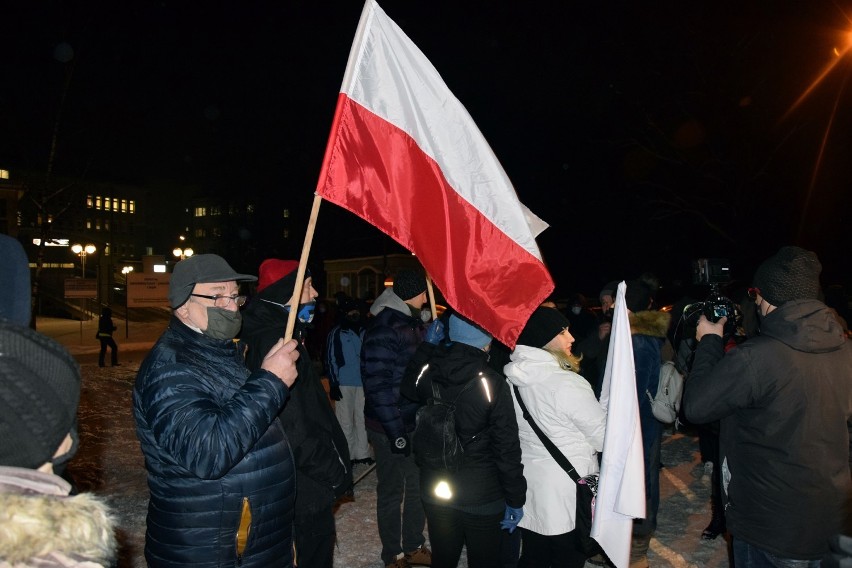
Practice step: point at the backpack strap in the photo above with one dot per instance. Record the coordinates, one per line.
(551, 447)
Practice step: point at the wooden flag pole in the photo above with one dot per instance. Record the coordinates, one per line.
(431, 292)
(300, 274)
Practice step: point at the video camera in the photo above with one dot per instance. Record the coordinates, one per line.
(713, 272)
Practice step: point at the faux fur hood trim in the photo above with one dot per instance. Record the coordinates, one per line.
(34, 526)
(655, 324)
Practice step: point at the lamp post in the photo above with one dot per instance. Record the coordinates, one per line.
(183, 253)
(83, 251)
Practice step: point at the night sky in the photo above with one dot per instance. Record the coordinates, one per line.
(647, 134)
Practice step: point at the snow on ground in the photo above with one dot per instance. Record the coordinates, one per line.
(110, 463)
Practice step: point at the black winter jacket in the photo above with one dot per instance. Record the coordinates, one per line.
(323, 471)
(784, 399)
(391, 338)
(491, 475)
(219, 466)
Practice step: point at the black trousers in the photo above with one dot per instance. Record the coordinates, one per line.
(451, 529)
(108, 342)
(314, 536)
(557, 551)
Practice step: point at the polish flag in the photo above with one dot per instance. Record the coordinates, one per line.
(405, 155)
(621, 489)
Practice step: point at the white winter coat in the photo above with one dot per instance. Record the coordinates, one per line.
(565, 408)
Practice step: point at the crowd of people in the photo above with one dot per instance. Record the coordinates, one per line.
(247, 452)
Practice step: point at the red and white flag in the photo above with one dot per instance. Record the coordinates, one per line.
(621, 489)
(405, 155)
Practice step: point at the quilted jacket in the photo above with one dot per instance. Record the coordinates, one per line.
(220, 470)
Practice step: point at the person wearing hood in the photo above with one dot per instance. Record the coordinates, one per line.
(106, 327)
(563, 405)
(320, 450)
(464, 508)
(343, 365)
(392, 337)
(41, 522)
(784, 399)
(220, 472)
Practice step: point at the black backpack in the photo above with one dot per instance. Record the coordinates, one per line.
(437, 444)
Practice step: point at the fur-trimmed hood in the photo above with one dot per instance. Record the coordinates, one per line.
(655, 324)
(42, 525)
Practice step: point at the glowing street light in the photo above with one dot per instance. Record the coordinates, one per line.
(83, 251)
(183, 253)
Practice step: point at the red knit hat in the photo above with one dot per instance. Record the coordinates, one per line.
(272, 270)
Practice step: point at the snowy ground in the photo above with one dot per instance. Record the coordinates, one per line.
(110, 463)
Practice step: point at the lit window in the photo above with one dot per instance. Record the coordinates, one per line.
(89, 224)
(107, 204)
(106, 224)
(4, 174)
(106, 250)
(90, 202)
(286, 234)
(115, 203)
(131, 206)
(98, 202)
(200, 211)
(97, 224)
(124, 206)
(286, 213)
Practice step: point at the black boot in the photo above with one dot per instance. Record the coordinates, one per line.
(717, 524)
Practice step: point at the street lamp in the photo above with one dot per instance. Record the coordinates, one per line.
(183, 253)
(83, 251)
(126, 270)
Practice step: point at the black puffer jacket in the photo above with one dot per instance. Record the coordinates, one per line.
(784, 399)
(491, 475)
(319, 445)
(218, 461)
(391, 338)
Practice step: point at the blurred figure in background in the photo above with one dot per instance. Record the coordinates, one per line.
(343, 364)
(105, 329)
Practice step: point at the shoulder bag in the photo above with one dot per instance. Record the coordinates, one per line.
(587, 487)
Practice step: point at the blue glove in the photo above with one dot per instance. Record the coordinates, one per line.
(511, 518)
(435, 333)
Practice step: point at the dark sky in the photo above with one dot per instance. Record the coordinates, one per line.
(646, 133)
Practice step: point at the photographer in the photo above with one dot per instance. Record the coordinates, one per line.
(784, 399)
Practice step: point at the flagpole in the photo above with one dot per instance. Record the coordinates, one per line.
(300, 274)
(431, 296)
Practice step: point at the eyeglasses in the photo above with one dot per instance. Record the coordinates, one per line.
(221, 301)
(753, 293)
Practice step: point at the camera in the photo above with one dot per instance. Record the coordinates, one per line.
(713, 272)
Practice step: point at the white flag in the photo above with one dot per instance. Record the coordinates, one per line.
(621, 490)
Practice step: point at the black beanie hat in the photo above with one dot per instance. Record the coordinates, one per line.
(544, 324)
(39, 394)
(638, 296)
(408, 283)
(792, 274)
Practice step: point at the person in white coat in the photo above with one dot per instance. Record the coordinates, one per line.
(563, 405)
